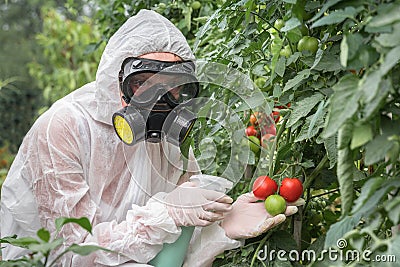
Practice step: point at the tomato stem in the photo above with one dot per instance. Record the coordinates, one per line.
(271, 152)
(262, 242)
(308, 180)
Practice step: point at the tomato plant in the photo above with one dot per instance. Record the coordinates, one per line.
(338, 131)
(264, 186)
(291, 189)
(275, 204)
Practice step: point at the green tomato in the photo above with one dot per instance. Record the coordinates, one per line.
(196, 5)
(254, 144)
(286, 52)
(161, 7)
(260, 82)
(275, 204)
(279, 23)
(308, 43)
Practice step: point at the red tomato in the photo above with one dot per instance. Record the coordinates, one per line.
(251, 131)
(276, 116)
(284, 107)
(263, 187)
(291, 189)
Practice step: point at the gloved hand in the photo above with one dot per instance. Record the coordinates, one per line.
(248, 218)
(190, 205)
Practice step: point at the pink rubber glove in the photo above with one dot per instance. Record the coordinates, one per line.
(248, 218)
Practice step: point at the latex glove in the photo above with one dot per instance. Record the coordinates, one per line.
(248, 218)
(189, 205)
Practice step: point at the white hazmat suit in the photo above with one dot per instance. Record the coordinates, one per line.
(72, 164)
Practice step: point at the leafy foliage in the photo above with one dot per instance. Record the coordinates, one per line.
(43, 247)
(70, 53)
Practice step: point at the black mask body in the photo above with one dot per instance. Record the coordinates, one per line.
(159, 95)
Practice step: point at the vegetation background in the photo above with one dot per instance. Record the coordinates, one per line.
(340, 134)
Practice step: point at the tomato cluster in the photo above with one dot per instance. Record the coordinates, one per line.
(265, 188)
(260, 131)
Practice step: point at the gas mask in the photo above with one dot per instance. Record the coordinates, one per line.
(159, 95)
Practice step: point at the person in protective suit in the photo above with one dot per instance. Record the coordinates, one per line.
(73, 164)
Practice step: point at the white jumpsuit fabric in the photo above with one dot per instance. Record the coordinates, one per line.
(72, 164)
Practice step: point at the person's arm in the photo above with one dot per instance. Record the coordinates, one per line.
(61, 190)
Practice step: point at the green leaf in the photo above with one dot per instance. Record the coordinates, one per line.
(291, 24)
(335, 17)
(302, 75)
(386, 15)
(308, 130)
(361, 135)
(82, 222)
(377, 149)
(371, 205)
(303, 107)
(280, 67)
(283, 240)
(393, 210)
(370, 84)
(391, 39)
(339, 229)
(328, 63)
(349, 47)
(344, 169)
(331, 150)
(46, 248)
(85, 250)
(392, 59)
(393, 250)
(23, 242)
(43, 234)
(324, 8)
(373, 106)
(317, 119)
(276, 47)
(367, 190)
(343, 104)
(251, 103)
(344, 51)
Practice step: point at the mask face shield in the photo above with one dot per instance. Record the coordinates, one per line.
(158, 95)
(144, 81)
